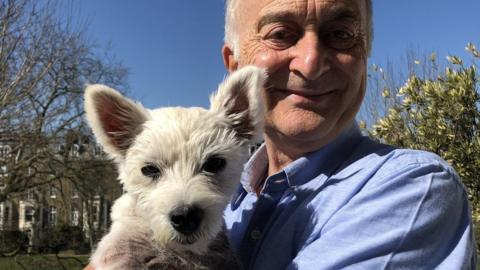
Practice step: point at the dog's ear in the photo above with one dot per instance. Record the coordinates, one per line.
(239, 98)
(114, 119)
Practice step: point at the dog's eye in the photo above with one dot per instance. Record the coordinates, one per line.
(151, 171)
(214, 164)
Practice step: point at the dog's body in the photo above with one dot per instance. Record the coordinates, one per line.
(179, 168)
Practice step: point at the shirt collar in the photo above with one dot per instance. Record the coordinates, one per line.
(255, 170)
(325, 160)
(322, 161)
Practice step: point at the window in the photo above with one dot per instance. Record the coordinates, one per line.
(95, 212)
(52, 192)
(7, 213)
(5, 151)
(75, 150)
(5, 218)
(1, 213)
(75, 194)
(75, 217)
(3, 171)
(29, 212)
(60, 149)
(52, 216)
(30, 195)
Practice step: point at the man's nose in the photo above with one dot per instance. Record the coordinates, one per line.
(310, 57)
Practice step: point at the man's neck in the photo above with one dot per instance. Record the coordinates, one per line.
(282, 151)
(280, 157)
(277, 159)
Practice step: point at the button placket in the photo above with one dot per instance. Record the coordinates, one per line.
(264, 210)
(256, 234)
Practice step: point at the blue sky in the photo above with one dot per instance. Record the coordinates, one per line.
(172, 48)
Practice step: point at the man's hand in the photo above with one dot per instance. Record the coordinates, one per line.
(89, 267)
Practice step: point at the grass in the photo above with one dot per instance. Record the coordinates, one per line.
(49, 262)
(44, 262)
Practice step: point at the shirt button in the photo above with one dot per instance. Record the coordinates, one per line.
(256, 234)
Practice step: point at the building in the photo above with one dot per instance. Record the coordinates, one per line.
(75, 197)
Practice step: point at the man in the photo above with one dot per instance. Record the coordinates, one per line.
(317, 194)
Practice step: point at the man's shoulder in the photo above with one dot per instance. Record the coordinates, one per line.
(395, 202)
(379, 164)
(387, 159)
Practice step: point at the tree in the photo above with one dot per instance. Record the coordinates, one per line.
(438, 112)
(45, 63)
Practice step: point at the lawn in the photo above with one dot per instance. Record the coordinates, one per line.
(44, 262)
(49, 262)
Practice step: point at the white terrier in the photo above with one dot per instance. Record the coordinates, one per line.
(179, 168)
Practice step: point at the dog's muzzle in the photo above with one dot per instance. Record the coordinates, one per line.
(186, 219)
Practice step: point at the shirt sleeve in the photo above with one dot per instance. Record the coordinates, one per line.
(414, 217)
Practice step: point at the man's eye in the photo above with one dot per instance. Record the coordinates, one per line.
(342, 35)
(152, 171)
(340, 39)
(281, 38)
(280, 35)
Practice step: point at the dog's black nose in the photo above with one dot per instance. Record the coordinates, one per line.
(186, 219)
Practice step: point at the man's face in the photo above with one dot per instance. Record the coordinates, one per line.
(315, 54)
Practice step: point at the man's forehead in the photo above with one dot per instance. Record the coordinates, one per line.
(319, 10)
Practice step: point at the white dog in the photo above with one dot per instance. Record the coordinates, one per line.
(179, 168)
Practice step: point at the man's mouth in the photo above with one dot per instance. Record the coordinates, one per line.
(313, 97)
(307, 93)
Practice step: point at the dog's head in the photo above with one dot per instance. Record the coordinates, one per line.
(181, 164)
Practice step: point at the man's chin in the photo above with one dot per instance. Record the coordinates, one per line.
(301, 137)
(311, 127)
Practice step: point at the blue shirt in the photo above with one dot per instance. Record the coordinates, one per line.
(353, 204)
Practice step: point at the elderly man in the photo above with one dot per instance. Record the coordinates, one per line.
(318, 194)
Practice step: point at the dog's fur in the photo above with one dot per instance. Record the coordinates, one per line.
(179, 142)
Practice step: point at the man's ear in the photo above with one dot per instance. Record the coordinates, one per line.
(231, 64)
(114, 119)
(239, 99)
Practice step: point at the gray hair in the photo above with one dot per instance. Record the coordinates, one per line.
(231, 36)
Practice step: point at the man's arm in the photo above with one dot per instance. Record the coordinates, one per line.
(415, 218)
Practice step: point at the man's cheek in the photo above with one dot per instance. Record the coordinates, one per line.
(264, 59)
(269, 59)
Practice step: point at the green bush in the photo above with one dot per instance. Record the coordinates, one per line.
(11, 241)
(63, 237)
